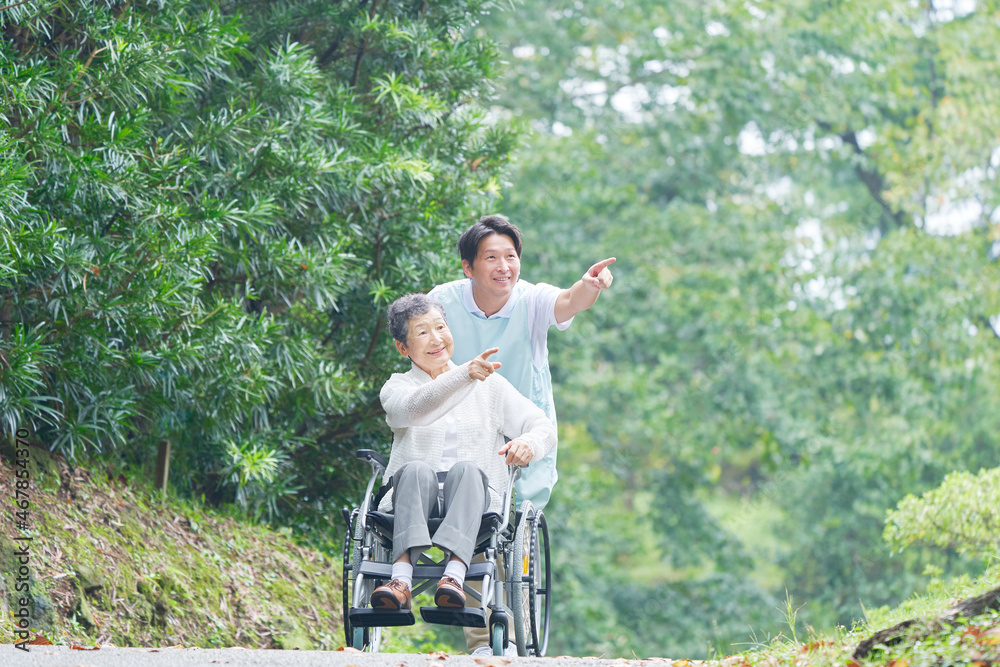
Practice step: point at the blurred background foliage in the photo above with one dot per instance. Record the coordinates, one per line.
(803, 329)
(205, 208)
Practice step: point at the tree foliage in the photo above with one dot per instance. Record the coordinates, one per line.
(804, 326)
(960, 514)
(204, 209)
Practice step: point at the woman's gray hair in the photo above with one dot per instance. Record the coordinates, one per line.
(405, 308)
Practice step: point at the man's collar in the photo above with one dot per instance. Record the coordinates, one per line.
(470, 302)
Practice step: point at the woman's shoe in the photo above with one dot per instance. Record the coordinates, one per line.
(449, 593)
(393, 595)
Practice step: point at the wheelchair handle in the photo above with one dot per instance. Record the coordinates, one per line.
(376, 460)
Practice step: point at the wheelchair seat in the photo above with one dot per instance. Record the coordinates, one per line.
(384, 522)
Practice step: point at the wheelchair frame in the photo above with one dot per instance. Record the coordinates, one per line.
(516, 542)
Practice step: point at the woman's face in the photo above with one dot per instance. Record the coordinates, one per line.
(428, 342)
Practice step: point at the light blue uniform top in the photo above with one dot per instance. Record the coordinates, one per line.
(520, 330)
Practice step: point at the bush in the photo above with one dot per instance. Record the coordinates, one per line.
(962, 514)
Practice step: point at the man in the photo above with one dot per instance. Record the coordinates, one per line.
(492, 308)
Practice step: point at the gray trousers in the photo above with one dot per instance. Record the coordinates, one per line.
(415, 500)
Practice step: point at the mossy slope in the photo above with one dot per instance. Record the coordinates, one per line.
(114, 564)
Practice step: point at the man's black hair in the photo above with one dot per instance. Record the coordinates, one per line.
(488, 225)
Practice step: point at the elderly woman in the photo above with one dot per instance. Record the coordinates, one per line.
(449, 457)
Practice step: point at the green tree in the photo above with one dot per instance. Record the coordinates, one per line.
(204, 209)
(802, 199)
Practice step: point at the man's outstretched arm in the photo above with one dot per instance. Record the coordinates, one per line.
(584, 292)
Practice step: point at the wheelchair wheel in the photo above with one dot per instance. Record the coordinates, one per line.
(351, 558)
(518, 580)
(530, 580)
(540, 586)
(367, 639)
(357, 591)
(496, 640)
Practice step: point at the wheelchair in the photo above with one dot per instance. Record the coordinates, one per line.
(516, 578)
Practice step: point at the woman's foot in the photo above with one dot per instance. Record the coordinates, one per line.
(393, 595)
(449, 593)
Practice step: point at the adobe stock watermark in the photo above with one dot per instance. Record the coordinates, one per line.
(21, 564)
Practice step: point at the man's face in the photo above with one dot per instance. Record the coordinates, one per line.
(496, 268)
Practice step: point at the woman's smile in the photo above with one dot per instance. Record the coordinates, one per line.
(429, 344)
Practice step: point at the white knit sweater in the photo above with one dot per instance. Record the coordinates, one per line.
(485, 412)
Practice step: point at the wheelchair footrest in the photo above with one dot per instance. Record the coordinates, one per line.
(380, 618)
(466, 617)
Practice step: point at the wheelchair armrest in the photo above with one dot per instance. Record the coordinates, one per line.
(376, 460)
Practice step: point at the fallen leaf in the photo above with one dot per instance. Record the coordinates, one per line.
(74, 647)
(973, 630)
(990, 637)
(349, 649)
(494, 661)
(40, 641)
(899, 663)
(813, 646)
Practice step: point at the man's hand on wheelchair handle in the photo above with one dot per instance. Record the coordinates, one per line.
(480, 368)
(518, 451)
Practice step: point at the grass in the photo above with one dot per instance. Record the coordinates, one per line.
(969, 641)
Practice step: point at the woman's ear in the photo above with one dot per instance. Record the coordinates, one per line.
(402, 348)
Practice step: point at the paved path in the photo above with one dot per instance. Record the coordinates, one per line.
(64, 656)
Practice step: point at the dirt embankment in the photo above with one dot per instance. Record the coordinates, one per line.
(108, 563)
